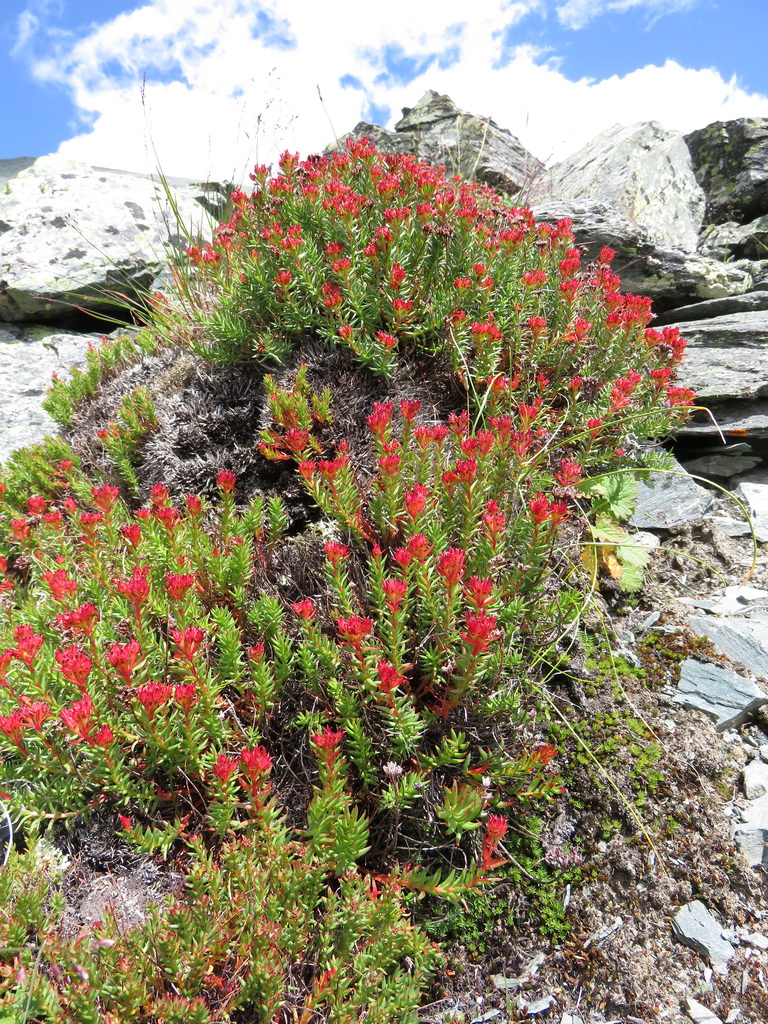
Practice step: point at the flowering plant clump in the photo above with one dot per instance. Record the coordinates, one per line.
(356, 711)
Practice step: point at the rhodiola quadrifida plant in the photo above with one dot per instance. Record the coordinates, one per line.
(314, 693)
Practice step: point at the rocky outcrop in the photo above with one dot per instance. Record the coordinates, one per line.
(730, 161)
(643, 174)
(436, 130)
(79, 237)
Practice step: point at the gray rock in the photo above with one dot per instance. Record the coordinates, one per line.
(751, 832)
(28, 357)
(742, 640)
(727, 357)
(747, 303)
(74, 236)
(756, 779)
(730, 161)
(736, 241)
(436, 130)
(695, 927)
(727, 698)
(644, 173)
(699, 1013)
(721, 465)
(740, 528)
(669, 500)
(755, 496)
(732, 419)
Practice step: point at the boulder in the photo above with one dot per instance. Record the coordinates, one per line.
(436, 130)
(730, 161)
(644, 174)
(74, 236)
(28, 358)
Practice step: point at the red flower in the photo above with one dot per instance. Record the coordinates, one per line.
(408, 410)
(152, 696)
(35, 714)
(415, 500)
(12, 727)
(21, 529)
(225, 767)
(82, 619)
(36, 505)
(75, 665)
(450, 565)
(132, 533)
(177, 584)
(105, 496)
(169, 516)
(397, 276)
(480, 592)
(394, 592)
(305, 609)
(389, 677)
(59, 583)
(226, 480)
(496, 829)
(188, 641)
(419, 547)
(158, 495)
(380, 418)
(568, 473)
(28, 644)
(480, 631)
(78, 717)
(194, 504)
(354, 629)
(123, 658)
(335, 552)
(103, 737)
(256, 762)
(534, 278)
(327, 744)
(135, 589)
(186, 695)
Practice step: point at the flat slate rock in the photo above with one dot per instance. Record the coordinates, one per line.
(727, 698)
(727, 357)
(747, 303)
(669, 500)
(742, 640)
(695, 927)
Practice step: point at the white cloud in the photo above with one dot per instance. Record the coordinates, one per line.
(230, 82)
(575, 14)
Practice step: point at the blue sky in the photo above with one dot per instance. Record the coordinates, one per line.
(207, 87)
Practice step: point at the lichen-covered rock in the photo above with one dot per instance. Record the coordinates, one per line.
(739, 241)
(72, 235)
(436, 130)
(730, 161)
(644, 174)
